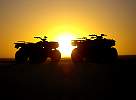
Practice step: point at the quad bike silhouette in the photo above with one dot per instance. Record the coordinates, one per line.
(37, 52)
(96, 49)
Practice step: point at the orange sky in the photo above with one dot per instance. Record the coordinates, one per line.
(23, 19)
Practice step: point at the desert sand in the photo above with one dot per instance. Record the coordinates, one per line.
(66, 80)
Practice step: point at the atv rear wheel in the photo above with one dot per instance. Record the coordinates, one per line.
(21, 56)
(76, 56)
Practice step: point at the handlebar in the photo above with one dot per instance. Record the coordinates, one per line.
(41, 38)
(93, 35)
(97, 35)
(103, 35)
(38, 37)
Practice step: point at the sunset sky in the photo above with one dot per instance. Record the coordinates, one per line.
(24, 19)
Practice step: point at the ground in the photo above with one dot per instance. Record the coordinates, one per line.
(66, 80)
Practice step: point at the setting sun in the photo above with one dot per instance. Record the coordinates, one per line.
(24, 19)
(65, 44)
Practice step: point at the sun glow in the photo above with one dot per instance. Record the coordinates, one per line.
(65, 45)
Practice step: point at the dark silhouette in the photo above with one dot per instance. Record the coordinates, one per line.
(37, 52)
(96, 49)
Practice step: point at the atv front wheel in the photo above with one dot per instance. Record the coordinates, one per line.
(55, 56)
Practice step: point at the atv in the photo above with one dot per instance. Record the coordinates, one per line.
(35, 53)
(96, 49)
